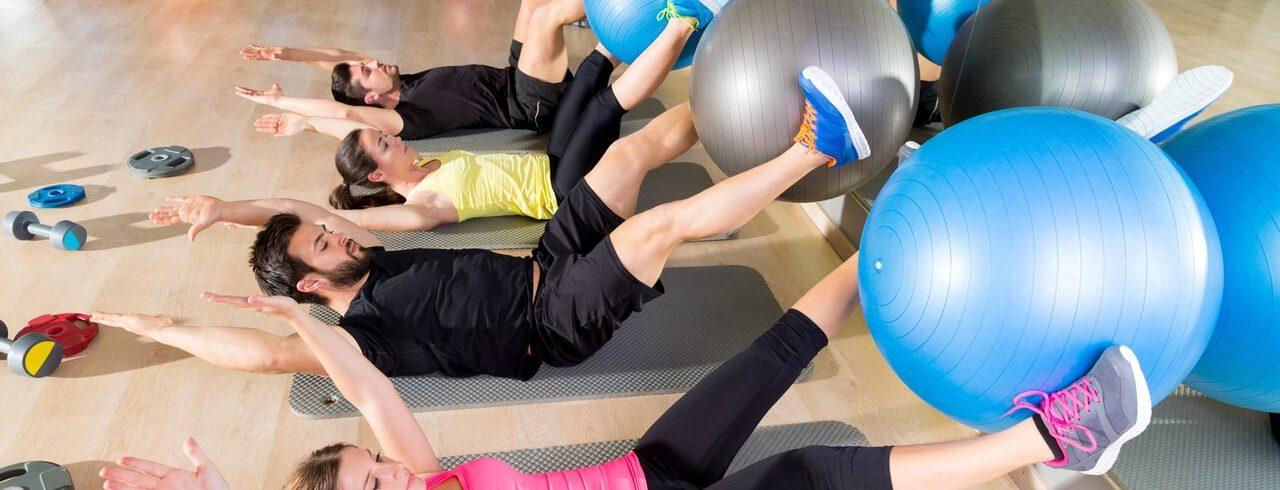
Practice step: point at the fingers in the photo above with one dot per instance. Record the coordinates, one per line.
(236, 301)
(115, 485)
(196, 229)
(108, 319)
(126, 476)
(164, 216)
(195, 453)
(146, 466)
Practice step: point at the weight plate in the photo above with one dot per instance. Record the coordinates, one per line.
(163, 161)
(56, 196)
(35, 475)
(73, 331)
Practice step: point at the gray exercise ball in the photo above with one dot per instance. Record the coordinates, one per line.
(746, 102)
(1107, 57)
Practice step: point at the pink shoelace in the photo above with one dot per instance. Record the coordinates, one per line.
(1061, 411)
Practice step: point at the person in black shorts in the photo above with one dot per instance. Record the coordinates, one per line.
(468, 312)
(1080, 428)
(526, 94)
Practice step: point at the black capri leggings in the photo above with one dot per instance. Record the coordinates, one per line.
(588, 121)
(692, 444)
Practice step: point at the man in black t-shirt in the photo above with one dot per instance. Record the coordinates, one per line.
(523, 95)
(468, 312)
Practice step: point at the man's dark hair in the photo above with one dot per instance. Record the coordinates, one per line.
(278, 272)
(344, 90)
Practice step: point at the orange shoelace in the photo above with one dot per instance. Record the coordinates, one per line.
(806, 136)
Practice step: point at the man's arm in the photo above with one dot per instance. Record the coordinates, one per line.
(204, 211)
(242, 349)
(323, 58)
(385, 120)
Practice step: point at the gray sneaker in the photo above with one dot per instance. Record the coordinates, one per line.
(1097, 414)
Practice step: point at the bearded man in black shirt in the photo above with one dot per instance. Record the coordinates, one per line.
(467, 312)
(523, 95)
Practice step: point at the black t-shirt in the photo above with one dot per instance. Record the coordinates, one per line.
(456, 312)
(453, 97)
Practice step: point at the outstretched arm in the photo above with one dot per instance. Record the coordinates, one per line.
(242, 349)
(400, 217)
(130, 473)
(289, 124)
(386, 120)
(359, 381)
(323, 58)
(204, 211)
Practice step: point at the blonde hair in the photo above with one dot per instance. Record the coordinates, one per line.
(319, 471)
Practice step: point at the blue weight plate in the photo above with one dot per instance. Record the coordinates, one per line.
(56, 196)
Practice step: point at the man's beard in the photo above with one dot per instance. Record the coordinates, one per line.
(351, 271)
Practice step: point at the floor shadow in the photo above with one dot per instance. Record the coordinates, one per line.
(98, 358)
(209, 159)
(122, 230)
(84, 474)
(33, 172)
(95, 193)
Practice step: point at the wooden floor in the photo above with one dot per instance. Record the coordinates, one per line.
(87, 83)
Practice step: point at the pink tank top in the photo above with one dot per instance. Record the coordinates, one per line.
(491, 474)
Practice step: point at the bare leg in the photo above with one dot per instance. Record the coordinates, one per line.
(831, 302)
(652, 66)
(616, 179)
(644, 242)
(539, 26)
(962, 464)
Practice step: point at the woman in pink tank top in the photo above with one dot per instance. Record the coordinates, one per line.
(1081, 427)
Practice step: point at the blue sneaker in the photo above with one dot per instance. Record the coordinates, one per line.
(1182, 100)
(829, 127)
(698, 14)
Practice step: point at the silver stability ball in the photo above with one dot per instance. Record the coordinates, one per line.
(747, 104)
(1107, 57)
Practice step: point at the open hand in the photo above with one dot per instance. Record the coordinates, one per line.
(139, 324)
(198, 211)
(132, 473)
(281, 125)
(267, 97)
(262, 53)
(277, 306)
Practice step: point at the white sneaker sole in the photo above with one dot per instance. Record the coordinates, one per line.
(711, 5)
(1187, 94)
(1109, 455)
(827, 86)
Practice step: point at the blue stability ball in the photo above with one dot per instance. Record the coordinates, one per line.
(1010, 250)
(627, 27)
(1234, 161)
(934, 23)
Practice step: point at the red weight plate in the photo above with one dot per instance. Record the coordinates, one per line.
(73, 331)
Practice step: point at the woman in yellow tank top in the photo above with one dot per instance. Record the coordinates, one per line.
(387, 185)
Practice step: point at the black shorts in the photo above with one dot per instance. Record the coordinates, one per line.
(585, 292)
(533, 103)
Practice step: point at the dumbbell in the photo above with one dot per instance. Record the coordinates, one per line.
(34, 354)
(24, 225)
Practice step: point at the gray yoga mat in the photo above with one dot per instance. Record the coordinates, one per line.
(764, 442)
(1195, 442)
(671, 182)
(519, 140)
(665, 348)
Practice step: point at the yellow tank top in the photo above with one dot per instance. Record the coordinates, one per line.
(493, 184)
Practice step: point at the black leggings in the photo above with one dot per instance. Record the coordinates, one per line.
(692, 444)
(588, 121)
